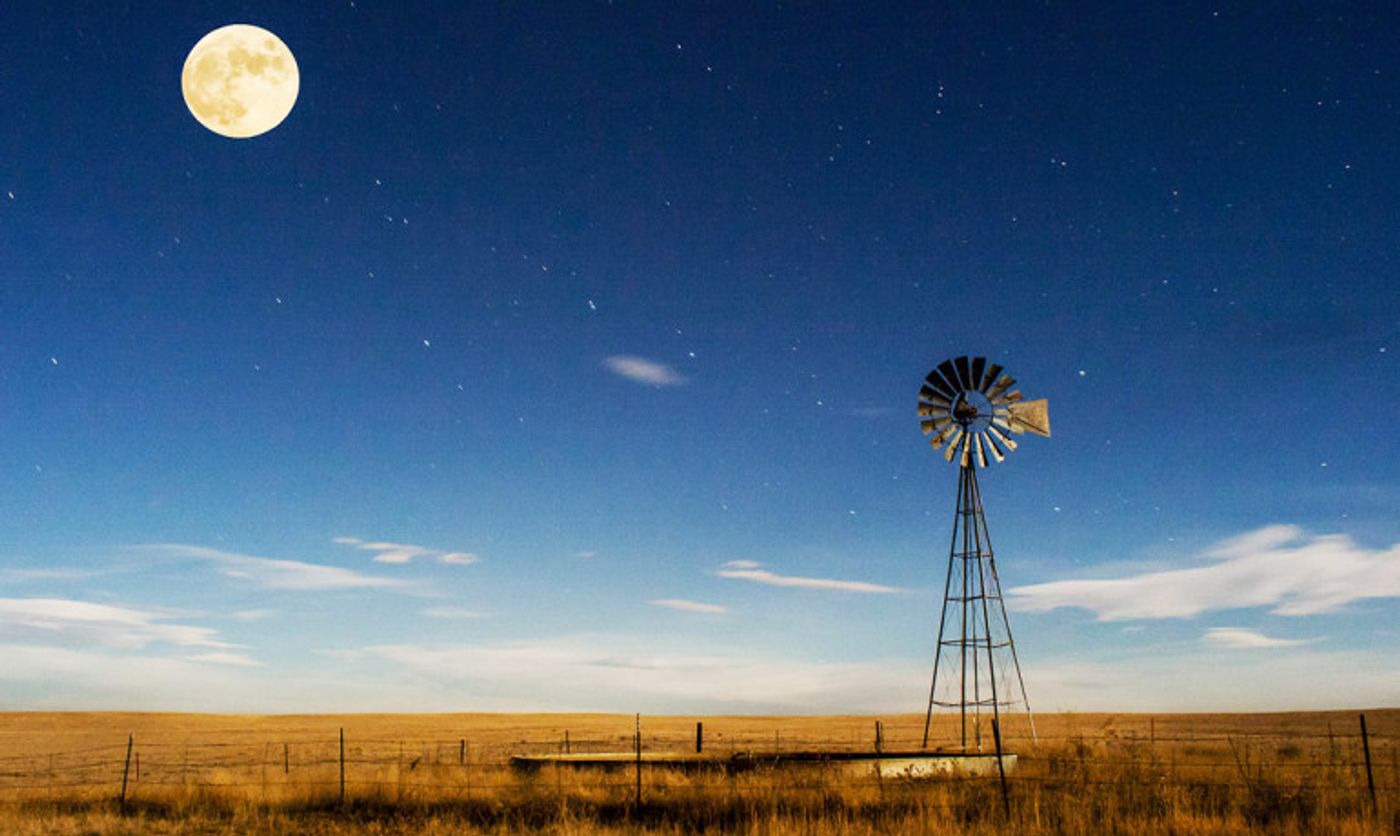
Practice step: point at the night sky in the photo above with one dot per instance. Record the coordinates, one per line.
(565, 355)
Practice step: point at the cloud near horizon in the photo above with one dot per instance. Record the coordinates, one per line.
(1240, 638)
(642, 370)
(748, 570)
(1277, 567)
(85, 623)
(399, 553)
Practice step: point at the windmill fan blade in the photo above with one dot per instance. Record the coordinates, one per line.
(927, 410)
(964, 373)
(930, 424)
(939, 385)
(950, 374)
(981, 453)
(966, 459)
(992, 446)
(1008, 398)
(974, 380)
(928, 393)
(943, 435)
(999, 436)
(1006, 382)
(953, 438)
(989, 378)
(1031, 416)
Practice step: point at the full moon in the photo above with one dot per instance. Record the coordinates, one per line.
(240, 81)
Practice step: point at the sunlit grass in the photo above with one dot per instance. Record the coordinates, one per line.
(449, 774)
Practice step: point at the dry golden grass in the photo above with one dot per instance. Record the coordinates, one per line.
(1089, 773)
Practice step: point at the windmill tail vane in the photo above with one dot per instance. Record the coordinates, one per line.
(971, 409)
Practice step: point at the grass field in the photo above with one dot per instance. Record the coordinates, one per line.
(449, 773)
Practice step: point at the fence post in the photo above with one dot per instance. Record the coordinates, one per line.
(638, 738)
(879, 748)
(342, 765)
(699, 737)
(286, 760)
(567, 748)
(126, 767)
(1370, 779)
(462, 752)
(1001, 769)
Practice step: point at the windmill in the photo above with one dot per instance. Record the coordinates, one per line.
(971, 410)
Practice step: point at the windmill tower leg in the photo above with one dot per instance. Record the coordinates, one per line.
(973, 607)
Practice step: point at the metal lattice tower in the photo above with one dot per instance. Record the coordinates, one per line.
(970, 408)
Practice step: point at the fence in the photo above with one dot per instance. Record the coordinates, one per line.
(1356, 765)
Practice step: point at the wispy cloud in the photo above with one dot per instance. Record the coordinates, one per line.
(276, 574)
(238, 660)
(1277, 567)
(452, 613)
(1240, 638)
(609, 672)
(82, 622)
(690, 606)
(642, 370)
(748, 570)
(406, 552)
(53, 574)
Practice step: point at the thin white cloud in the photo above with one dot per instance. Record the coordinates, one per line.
(238, 660)
(642, 370)
(399, 553)
(607, 673)
(690, 606)
(1276, 567)
(1240, 638)
(81, 622)
(452, 613)
(747, 570)
(55, 574)
(276, 574)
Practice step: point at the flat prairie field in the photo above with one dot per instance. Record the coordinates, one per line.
(99, 772)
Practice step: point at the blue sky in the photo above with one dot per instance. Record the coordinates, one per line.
(485, 379)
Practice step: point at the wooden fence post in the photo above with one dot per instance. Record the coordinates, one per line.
(567, 748)
(126, 767)
(462, 752)
(342, 765)
(286, 760)
(1001, 769)
(638, 739)
(879, 737)
(1370, 779)
(699, 737)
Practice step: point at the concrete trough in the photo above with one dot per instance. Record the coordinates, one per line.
(914, 764)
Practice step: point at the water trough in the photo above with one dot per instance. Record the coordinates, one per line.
(912, 764)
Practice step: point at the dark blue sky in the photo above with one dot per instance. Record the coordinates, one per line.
(390, 318)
